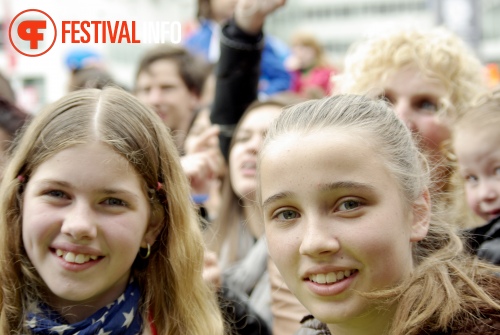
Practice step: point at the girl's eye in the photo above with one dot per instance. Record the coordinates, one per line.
(497, 171)
(241, 138)
(471, 179)
(287, 215)
(56, 194)
(349, 205)
(428, 105)
(115, 202)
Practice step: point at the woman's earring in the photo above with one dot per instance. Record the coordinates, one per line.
(147, 253)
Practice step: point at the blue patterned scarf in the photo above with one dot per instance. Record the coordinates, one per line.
(119, 318)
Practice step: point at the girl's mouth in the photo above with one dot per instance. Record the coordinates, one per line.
(331, 277)
(71, 257)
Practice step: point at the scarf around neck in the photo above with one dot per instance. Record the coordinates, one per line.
(121, 317)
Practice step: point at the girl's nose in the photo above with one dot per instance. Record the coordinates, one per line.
(316, 241)
(80, 223)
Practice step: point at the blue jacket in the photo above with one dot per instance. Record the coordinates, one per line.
(273, 75)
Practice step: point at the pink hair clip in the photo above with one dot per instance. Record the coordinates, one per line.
(159, 186)
(21, 178)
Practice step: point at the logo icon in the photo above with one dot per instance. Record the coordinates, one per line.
(32, 32)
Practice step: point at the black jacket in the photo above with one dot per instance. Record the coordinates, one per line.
(237, 79)
(484, 241)
(239, 315)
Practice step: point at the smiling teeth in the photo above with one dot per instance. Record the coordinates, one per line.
(330, 277)
(71, 257)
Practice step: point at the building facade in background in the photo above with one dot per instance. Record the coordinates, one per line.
(336, 23)
(339, 23)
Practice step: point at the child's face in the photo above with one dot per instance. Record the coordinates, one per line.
(85, 215)
(416, 101)
(247, 142)
(478, 154)
(335, 222)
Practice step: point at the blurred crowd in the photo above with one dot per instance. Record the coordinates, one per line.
(219, 92)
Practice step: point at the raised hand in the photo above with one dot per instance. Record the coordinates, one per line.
(251, 14)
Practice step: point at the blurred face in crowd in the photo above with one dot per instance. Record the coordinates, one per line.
(247, 142)
(161, 87)
(478, 155)
(415, 99)
(5, 139)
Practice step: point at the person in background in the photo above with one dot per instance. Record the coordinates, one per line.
(475, 146)
(308, 63)
(170, 80)
(12, 118)
(428, 75)
(91, 77)
(204, 41)
(87, 69)
(6, 91)
(236, 235)
(98, 231)
(345, 200)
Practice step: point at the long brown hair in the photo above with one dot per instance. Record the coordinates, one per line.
(174, 294)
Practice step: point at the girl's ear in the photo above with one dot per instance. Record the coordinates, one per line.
(152, 232)
(421, 217)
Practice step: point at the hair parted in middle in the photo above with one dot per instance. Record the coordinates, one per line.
(174, 293)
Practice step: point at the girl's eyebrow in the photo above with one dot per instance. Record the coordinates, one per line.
(324, 188)
(275, 197)
(106, 191)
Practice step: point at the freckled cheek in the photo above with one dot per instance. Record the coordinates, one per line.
(39, 223)
(282, 248)
(386, 261)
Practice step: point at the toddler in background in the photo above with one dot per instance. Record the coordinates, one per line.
(476, 145)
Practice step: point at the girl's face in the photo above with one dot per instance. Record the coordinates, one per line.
(336, 223)
(478, 157)
(247, 142)
(85, 215)
(415, 99)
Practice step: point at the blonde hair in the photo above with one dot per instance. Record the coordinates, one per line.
(436, 52)
(482, 116)
(447, 286)
(174, 294)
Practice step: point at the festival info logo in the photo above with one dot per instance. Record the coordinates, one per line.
(33, 32)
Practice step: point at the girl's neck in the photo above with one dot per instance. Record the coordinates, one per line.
(375, 322)
(77, 311)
